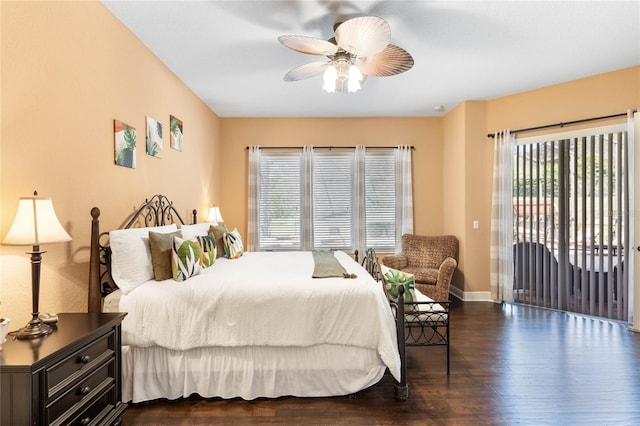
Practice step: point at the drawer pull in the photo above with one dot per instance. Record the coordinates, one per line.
(85, 390)
(85, 421)
(85, 359)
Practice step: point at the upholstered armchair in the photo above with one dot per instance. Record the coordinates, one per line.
(432, 261)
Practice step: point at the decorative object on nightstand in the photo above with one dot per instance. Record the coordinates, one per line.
(35, 223)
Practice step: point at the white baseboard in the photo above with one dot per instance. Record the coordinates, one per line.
(471, 296)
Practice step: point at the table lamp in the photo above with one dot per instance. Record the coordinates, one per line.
(35, 223)
(215, 215)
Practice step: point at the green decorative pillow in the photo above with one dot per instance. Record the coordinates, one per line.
(218, 232)
(233, 244)
(186, 258)
(393, 279)
(161, 246)
(208, 245)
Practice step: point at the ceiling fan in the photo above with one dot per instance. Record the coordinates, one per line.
(359, 49)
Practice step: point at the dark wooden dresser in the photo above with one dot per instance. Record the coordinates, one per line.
(70, 377)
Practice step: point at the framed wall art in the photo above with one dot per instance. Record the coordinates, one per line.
(175, 128)
(154, 138)
(125, 144)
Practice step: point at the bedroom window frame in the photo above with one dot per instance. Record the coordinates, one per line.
(334, 199)
(360, 187)
(274, 236)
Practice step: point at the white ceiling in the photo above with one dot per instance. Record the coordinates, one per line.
(227, 52)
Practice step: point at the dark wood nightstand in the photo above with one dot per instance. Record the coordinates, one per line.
(71, 376)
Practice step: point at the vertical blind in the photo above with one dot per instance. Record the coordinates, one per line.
(571, 222)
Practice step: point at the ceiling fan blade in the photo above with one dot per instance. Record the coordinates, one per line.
(308, 45)
(391, 61)
(366, 35)
(306, 71)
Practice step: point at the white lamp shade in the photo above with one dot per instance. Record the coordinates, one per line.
(329, 78)
(35, 223)
(355, 77)
(215, 215)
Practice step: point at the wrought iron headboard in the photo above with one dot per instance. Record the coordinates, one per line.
(155, 211)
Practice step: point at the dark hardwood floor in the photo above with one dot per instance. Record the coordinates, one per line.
(510, 364)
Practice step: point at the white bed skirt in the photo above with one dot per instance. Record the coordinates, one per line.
(248, 372)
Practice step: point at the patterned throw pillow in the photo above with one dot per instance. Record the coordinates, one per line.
(186, 258)
(393, 279)
(208, 245)
(233, 244)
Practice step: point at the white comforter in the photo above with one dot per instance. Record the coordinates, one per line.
(263, 299)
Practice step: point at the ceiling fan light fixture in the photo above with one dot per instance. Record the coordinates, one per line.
(343, 76)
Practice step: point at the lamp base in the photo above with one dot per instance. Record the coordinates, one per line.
(34, 329)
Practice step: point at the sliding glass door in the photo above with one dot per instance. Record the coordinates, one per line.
(571, 222)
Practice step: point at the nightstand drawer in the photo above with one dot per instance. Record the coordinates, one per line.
(96, 412)
(79, 394)
(79, 363)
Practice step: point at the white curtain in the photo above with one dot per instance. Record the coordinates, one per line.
(307, 204)
(501, 250)
(360, 230)
(633, 131)
(404, 196)
(252, 203)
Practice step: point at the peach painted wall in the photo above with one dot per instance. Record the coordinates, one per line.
(600, 95)
(453, 182)
(477, 199)
(424, 134)
(68, 70)
(464, 190)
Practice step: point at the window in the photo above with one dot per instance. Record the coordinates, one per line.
(341, 199)
(380, 201)
(333, 200)
(280, 202)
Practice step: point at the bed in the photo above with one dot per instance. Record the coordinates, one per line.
(255, 326)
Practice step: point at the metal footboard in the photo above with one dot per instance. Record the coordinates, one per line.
(417, 324)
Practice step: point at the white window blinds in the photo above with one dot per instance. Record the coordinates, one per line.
(380, 200)
(333, 174)
(327, 199)
(280, 201)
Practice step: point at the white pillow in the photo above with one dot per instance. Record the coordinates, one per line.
(190, 232)
(131, 263)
